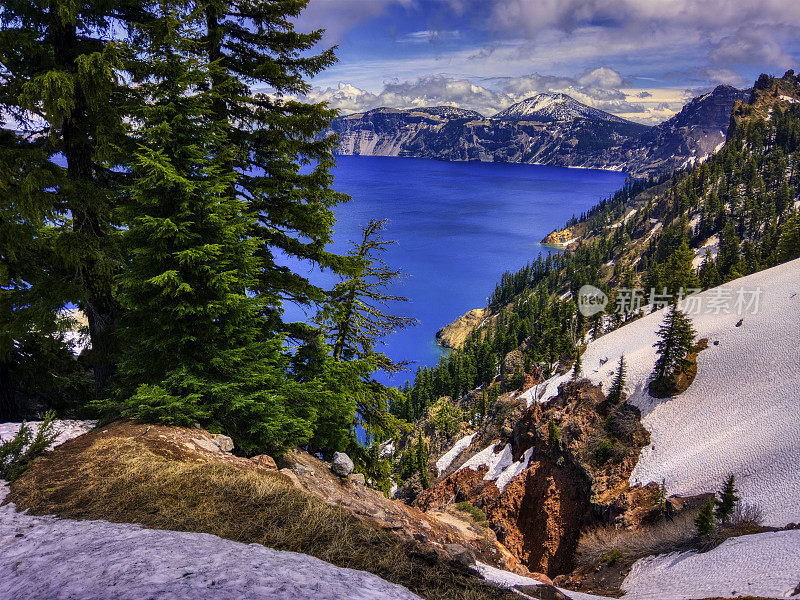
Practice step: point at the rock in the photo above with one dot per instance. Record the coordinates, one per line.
(522, 570)
(224, 442)
(301, 469)
(206, 444)
(357, 479)
(341, 465)
(265, 462)
(292, 477)
(461, 554)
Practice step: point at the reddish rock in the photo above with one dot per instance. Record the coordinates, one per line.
(265, 462)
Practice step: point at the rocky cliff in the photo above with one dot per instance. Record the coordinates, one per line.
(566, 464)
(551, 129)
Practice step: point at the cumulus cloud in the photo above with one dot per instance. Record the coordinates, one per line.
(488, 96)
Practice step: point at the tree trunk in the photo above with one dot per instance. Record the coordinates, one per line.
(84, 195)
(8, 408)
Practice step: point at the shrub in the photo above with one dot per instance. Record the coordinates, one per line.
(704, 522)
(474, 511)
(624, 422)
(606, 543)
(16, 454)
(553, 433)
(747, 514)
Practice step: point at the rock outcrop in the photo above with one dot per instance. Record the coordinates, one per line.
(567, 484)
(455, 334)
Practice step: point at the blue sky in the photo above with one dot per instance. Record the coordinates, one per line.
(641, 59)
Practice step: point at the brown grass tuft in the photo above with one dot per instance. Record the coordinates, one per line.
(607, 543)
(125, 481)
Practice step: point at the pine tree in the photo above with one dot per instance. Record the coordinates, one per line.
(660, 500)
(64, 98)
(354, 320)
(196, 349)
(676, 337)
(727, 500)
(704, 522)
(617, 390)
(553, 433)
(422, 462)
(577, 366)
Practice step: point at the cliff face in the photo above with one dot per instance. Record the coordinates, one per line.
(566, 483)
(557, 134)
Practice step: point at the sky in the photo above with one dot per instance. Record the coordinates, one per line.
(639, 59)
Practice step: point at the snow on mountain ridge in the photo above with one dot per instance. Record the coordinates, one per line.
(554, 107)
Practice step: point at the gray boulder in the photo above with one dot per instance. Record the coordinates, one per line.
(341, 465)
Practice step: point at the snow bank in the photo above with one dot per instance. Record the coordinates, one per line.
(741, 415)
(506, 579)
(501, 465)
(513, 470)
(46, 557)
(545, 390)
(764, 565)
(66, 429)
(448, 457)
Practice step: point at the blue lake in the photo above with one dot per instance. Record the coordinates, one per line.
(459, 226)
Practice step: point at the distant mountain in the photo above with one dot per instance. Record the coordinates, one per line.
(553, 107)
(586, 140)
(551, 129)
(695, 133)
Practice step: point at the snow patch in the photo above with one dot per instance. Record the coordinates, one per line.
(448, 457)
(66, 429)
(47, 557)
(709, 248)
(765, 565)
(513, 470)
(496, 462)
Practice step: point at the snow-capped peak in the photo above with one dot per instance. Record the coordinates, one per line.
(554, 107)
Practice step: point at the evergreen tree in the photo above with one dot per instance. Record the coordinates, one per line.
(704, 522)
(196, 350)
(727, 500)
(63, 97)
(422, 462)
(553, 433)
(354, 320)
(676, 337)
(617, 390)
(577, 366)
(660, 500)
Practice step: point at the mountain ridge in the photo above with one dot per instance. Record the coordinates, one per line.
(544, 129)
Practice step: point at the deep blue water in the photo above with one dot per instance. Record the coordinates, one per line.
(459, 226)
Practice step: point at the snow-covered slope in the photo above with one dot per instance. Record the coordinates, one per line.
(764, 565)
(741, 414)
(46, 557)
(554, 107)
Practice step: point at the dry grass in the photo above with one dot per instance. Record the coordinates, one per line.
(606, 543)
(124, 481)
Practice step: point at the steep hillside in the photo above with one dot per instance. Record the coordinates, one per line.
(552, 129)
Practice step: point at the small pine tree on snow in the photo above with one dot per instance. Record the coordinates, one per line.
(727, 500)
(676, 337)
(704, 522)
(618, 385)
